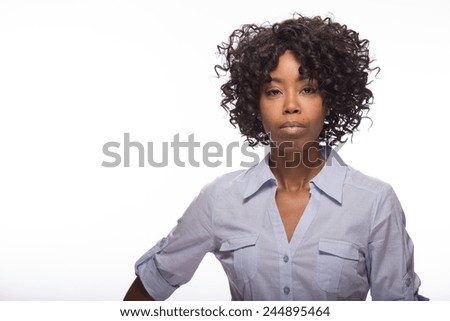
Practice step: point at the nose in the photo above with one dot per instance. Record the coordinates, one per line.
(291, 104)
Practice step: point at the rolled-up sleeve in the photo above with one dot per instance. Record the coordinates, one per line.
(391, 252)
(174, 259)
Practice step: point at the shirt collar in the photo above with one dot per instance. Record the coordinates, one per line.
(329, 180)
(257, 176)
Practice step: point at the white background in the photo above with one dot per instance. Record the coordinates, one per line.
(77, 74)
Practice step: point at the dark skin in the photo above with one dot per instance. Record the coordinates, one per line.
(291, 110)
(137, 292)
(293, 192)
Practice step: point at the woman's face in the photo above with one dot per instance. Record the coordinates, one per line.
(291, 106)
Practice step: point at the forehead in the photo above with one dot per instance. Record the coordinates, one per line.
(288, 67)
(288, 60)
(289, 64)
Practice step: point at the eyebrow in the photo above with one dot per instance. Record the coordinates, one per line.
(279, 80)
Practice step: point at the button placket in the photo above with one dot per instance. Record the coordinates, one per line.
(284, 258)
(286, 268)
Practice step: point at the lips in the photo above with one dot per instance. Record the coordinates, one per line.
(292, 124)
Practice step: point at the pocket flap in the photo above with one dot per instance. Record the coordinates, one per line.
(341, 249)
(238, 242)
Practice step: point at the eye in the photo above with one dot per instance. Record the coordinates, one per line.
(273, 92)
(309, 90)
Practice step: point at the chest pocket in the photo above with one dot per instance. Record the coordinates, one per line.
(337, 264)
(242, 253)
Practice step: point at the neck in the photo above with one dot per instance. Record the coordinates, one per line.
(293, 169)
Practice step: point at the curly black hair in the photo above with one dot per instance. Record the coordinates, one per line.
(329, 52)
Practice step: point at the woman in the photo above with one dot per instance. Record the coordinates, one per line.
(301, 225)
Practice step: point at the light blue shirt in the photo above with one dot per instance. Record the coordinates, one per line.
(350, 239)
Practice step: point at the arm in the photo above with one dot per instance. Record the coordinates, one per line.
(137, 292)
(391, 253)
(174, 259)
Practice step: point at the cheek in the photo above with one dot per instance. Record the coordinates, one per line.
(319, 129)
(318, 120)
(267, 118)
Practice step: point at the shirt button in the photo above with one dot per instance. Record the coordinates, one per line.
(286, 290)
(286, 259)
(408, 282)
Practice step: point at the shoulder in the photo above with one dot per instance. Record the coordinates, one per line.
(373, 192)
(366, 183)
(375, 195)
(216, 192)
(225, 183)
